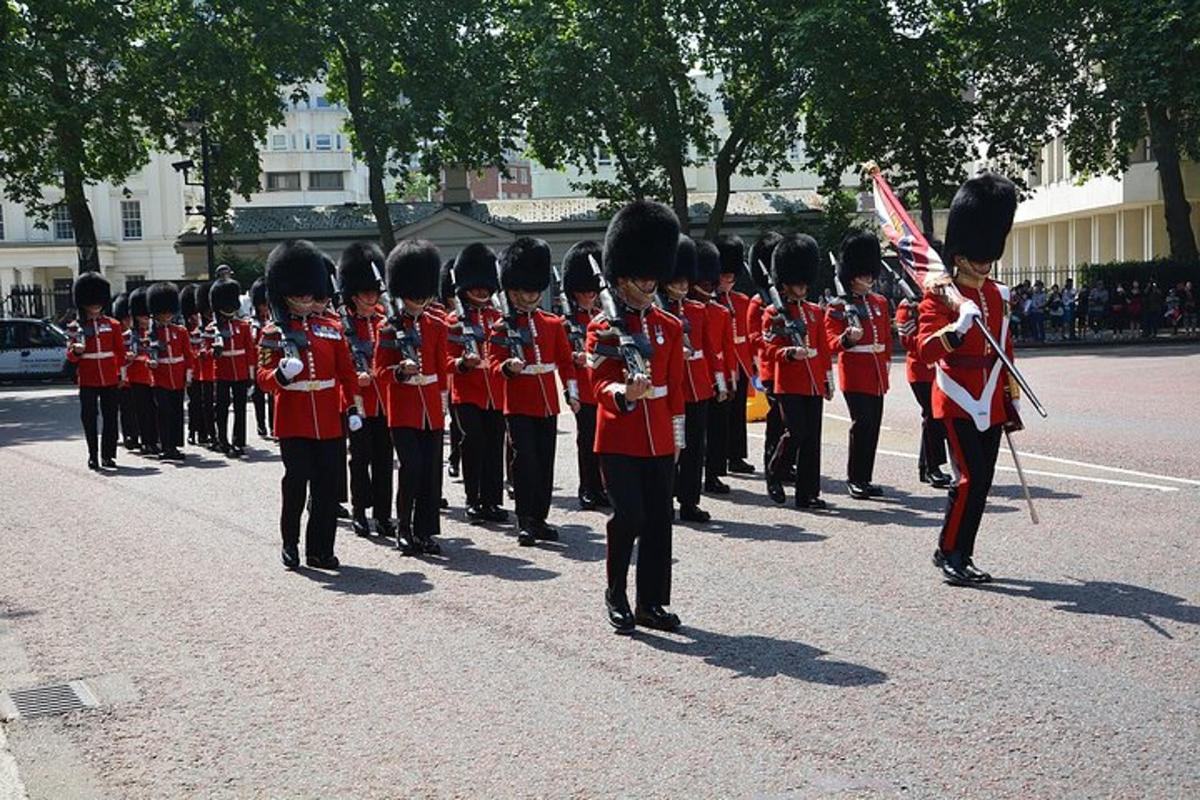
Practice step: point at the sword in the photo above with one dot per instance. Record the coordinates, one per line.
(1021, 475)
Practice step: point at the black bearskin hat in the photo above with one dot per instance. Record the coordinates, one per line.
(641, 242)
(91, 289)
(258, 291)
(138, 307)
(356, 269)
(202, 304)
(981, 216)
(120, 308)
(578, 275)
(708, 262)
(733, 253)
(163, 297)
(760, 258)
(685, 259)
(860, 256)
(225, 295)
(475, 268)
(446, 281)
(796, 259)
(525, 265)
(296, 268)
(413, 268)
(187, 300)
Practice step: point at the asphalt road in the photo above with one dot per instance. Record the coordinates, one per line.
(821, 655)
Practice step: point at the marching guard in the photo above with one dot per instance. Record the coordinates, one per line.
(932, 454)
(172, 364)
(581, 287)
(233, 351)
(264, 409)
(130, 439)
(973, 394)
(207, 368)
(761, 253)
(860, 333)
(141, 379)
(636, 351)
(97, 348)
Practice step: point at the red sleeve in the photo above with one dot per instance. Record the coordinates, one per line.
(711, 342)
(268, 360)
(822, 341)
(887, 326)
(562, 350)
(189, 355)
(835, 325)
(772, 345)
(729, 348)
(608, 374)
(675, 393)
(346, 374)
(442, 356)
(935, 330)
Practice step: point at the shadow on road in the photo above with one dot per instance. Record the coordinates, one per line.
(1105, 598)
(460, 555)
(26, 420)
(753, 656)
(736, 529)
(353, 580)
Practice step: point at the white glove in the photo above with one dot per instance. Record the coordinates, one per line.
(680, 435)
(968, 312)
(291, 367)
(354, 422)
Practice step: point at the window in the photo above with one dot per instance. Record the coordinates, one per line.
(131, 219)
(325, 181)
(339, 142)
(63, 228)
(795, 152)
(322, 101)
(279, 141)
(324, 141)
(283, 181)
(603, 157)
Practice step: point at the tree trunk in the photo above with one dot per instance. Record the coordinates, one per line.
(716, 217)
(679, 192)
(81, 220)
(1165, 144)
(352, 61)
(924, 196)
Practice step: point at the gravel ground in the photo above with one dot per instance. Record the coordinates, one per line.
(821, 656)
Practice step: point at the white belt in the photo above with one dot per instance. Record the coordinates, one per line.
(537, 369)
(232, 353)
(420, 380)
(310, 386)
(655, 393)
(96, 356)
(739, 340)
(866, 348)
(695, 355)
(171, 360)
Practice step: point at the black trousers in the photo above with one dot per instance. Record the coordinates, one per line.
(417, 499)
(800, 444)
(208, 410)
(371, 468)
(533, 443)
(775, 430)
(102, 400)
(264, 409)
(147, 415)
(308, 468)
(866, 416)
(455, 444)
(128, 415)
(169, 405)
(640, 490)
(737, 420)
(689, 470)
(585, 451)
(235, 391)
(974, 453)
(195, 421)
(481, 452)
(933, 432)
(716, 458)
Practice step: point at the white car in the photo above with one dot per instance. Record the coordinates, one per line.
(32, 348)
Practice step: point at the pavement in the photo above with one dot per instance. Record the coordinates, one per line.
(821, 655)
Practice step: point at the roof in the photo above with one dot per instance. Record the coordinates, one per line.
(508, 214)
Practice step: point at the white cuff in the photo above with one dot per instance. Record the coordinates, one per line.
(721, 383)
(680, 433)
(573, 390)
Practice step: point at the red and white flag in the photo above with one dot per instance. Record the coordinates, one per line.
(920, 260)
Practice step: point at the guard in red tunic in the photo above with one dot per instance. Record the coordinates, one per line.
(233, 348)
(412, 362)
(476, 391)
(371, 463)
(97, 348)
(130, 439)
(306, 366)
(973, 394)
(207, 374)
(446, 299)
(703, 374)
(719, 323)
(932, 454)
(636, 352)
(581, 287)
(264, 410)
(760, 271)
(531, 347)
(733, 264)
(795, 355)
(190, 312)
(137, 372)
(860, 333)
(172, 363)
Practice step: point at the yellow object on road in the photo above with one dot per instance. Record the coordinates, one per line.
(756, 407)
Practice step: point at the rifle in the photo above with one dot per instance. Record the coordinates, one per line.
(575, 332)
(854, 314)
(796, 329)
(512, 338)
(155, 346)
(470, 338)
(407, 342)
(632, 351)
(360, 352)
(898, 279)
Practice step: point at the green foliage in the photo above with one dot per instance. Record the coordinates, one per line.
(837, 219)
(245, 270)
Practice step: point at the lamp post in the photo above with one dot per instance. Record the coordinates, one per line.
(195, 122)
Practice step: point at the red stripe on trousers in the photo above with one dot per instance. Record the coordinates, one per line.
(950, 532)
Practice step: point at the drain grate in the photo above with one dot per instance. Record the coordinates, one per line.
(42, 701)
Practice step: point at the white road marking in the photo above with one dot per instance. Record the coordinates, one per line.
(1102, 467)
(847, 419)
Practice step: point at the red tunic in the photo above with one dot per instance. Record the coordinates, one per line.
(310, 405)
(481, 386)
(644, 427)
(583, 317)
(205, 361)
(237, 355)
(699, 350)
(754, 332)
(533, 393)
(863, 367)
(720, 321)
(414, 401)
(175, 357)
(137, 369)
(738, 306)
(103, 358)
(809, 375)
(970, 382)
(906, 326)
(366, 330)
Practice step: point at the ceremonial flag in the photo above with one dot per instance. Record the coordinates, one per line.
(920, 260)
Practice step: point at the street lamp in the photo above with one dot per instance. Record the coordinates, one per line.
(195, 123)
